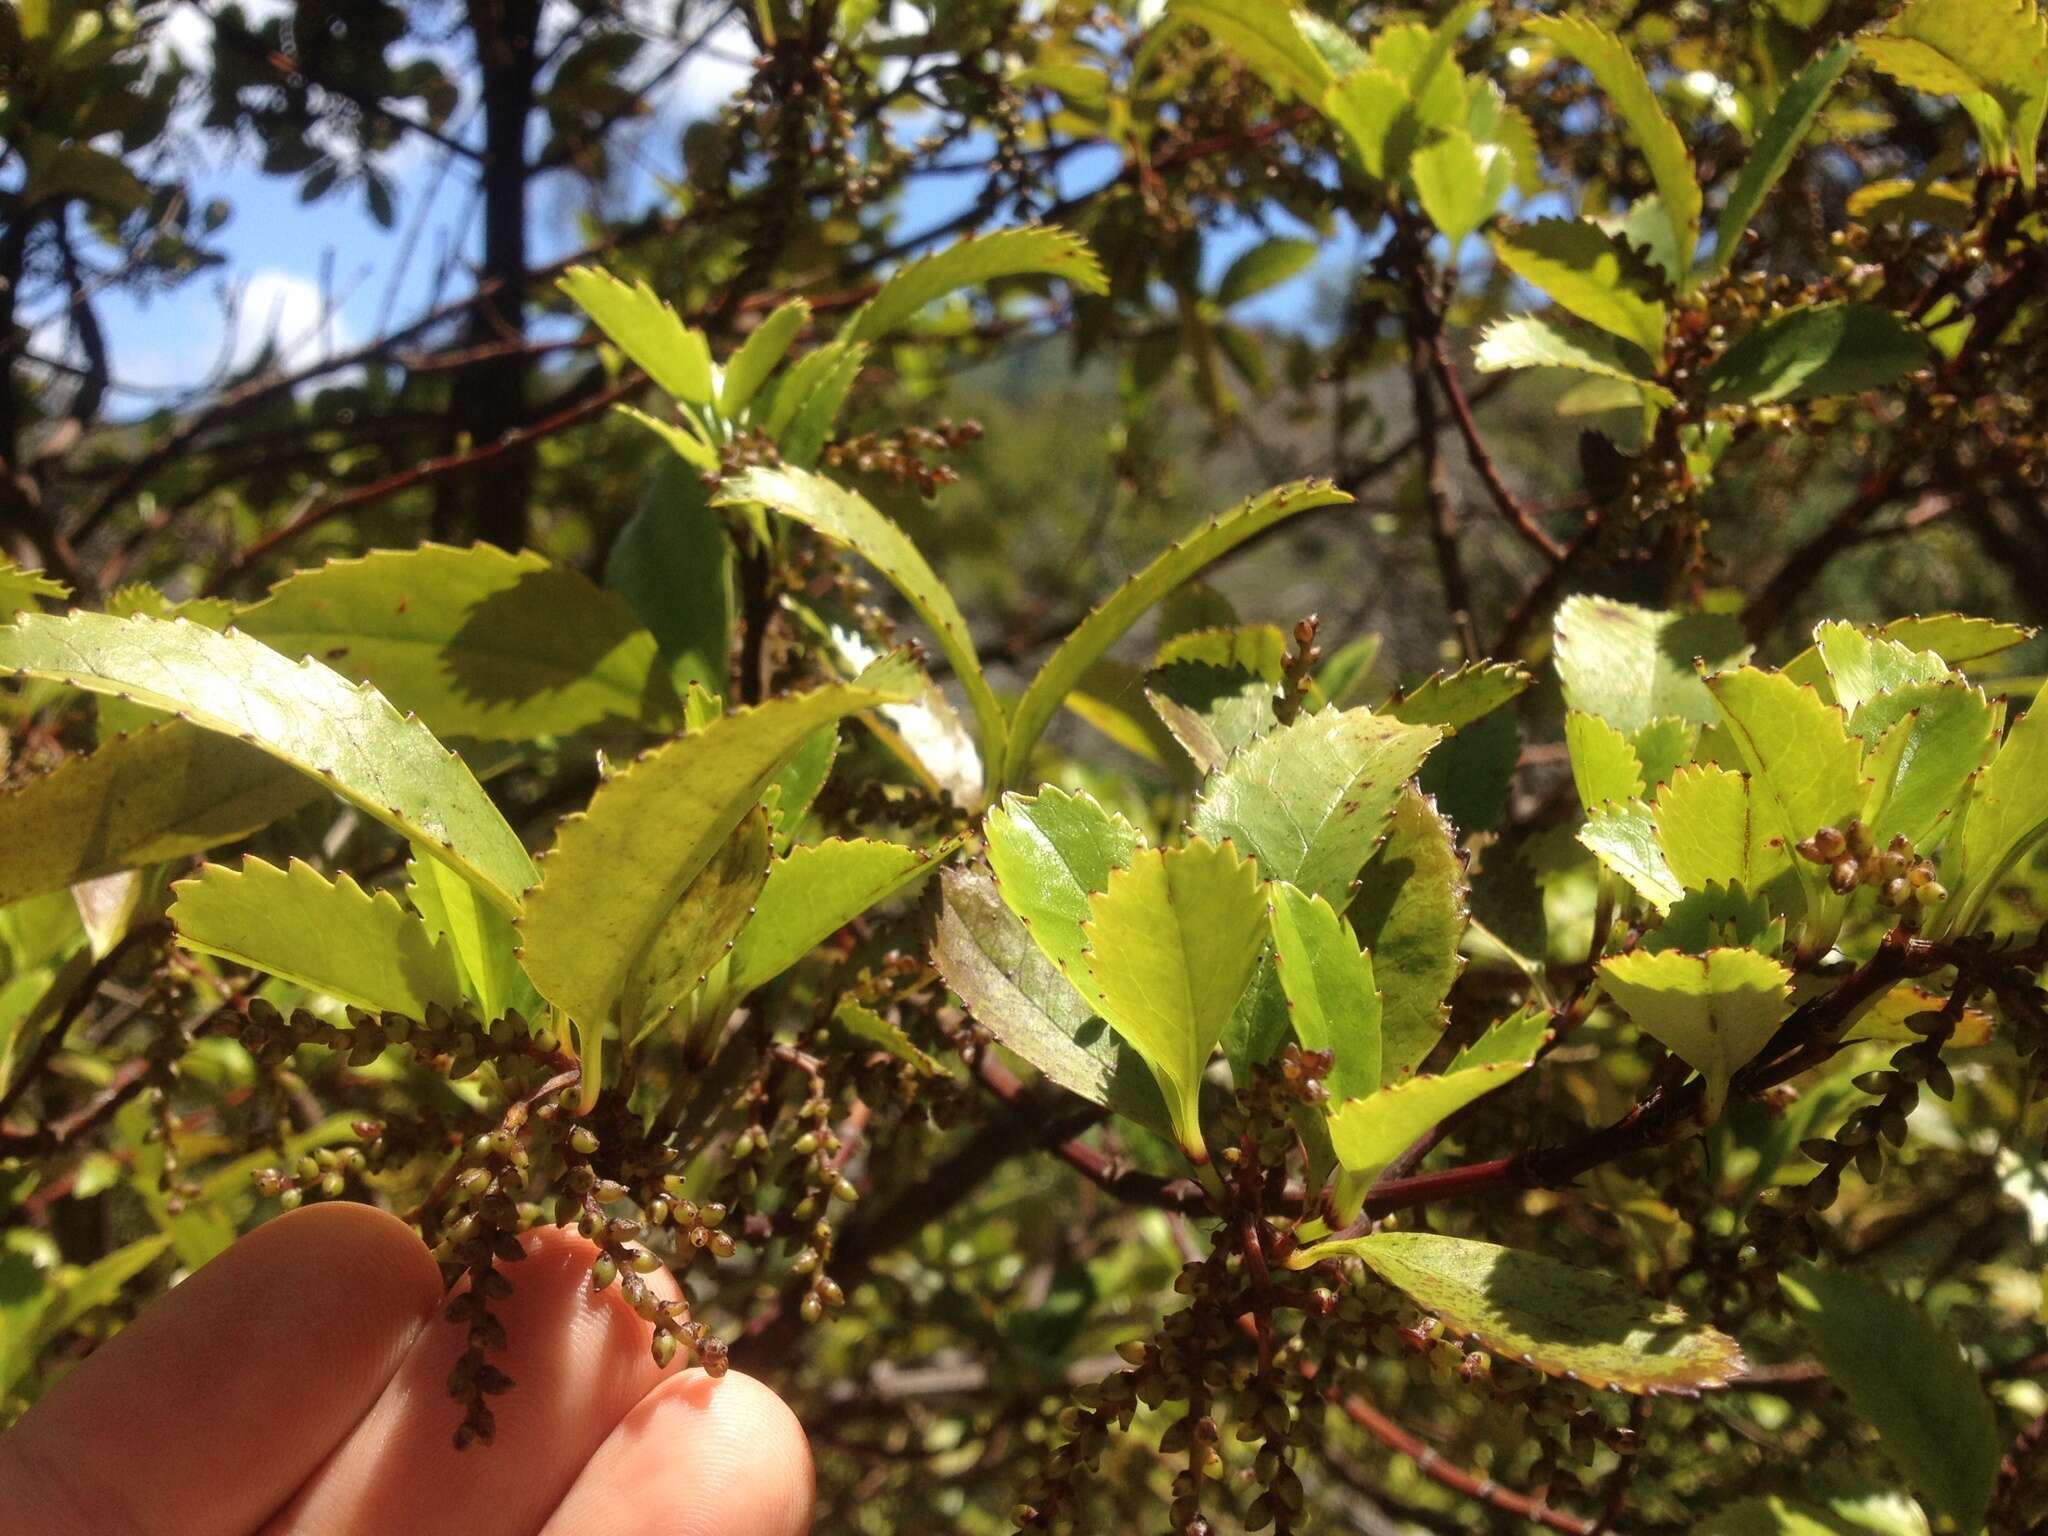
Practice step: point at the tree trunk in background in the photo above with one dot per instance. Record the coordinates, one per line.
(488, 396)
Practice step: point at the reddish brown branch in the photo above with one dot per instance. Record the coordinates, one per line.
(1433, 1465)
(420, 474)
(1512, 508)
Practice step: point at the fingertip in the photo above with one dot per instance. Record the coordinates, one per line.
(388, 1264)
(198, 1413)
(697, 1456)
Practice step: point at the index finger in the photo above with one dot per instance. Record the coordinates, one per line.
(204, 1415)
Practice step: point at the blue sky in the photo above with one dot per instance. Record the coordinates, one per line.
(323, 277)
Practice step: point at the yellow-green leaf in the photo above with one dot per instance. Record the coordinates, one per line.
(334, 938)
(1713, 1011)
(1309, 799)
(1103, 627)
(1329, 986)
(1618, 73)
(1592, 274)
(643, 327)
(1171, 944)
(477, 642)
(1553, 1317)
(344, 735)
(159, 793)
(846, 517)
(978, 259)
(814, 891)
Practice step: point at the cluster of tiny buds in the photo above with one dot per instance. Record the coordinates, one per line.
(1298, 669)
(591, 1202)
(906, 456)
(1862, 1137)
(454, 1047)
(1303, 1072)
(747, 449)
(1853, 859)
(324, 1172)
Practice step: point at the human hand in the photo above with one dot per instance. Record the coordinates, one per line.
(296, 1385)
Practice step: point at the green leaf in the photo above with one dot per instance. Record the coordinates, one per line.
(1371, 109)
(1265, 34)
(1004, 976)
(1050, 853)
(1369, 1133)
(1615, 69)
(1993, 54)
(1904, 1373)
(1456, 700)
(1211, 711)
(1605, 768)
(1094, 635)
(749, 367)
(1957, 638)
(695, 450)
(1345, 676)
(640, 325)
(1309, 799)
(978, 259)
(2006, 817)
(1410, 915)
(1862, 667)
(619, 868)
(1265, 265)
(338, 939)
(1663, 747)
(1591, 274)
(1472, 775)
(1645, 227)
(817, 381)
(673, 561)
(478, 935)
(789, 796)
(1876, 1514)
(1711, 835)
(697, 932)
(20, 589)
(1107, 698)
(803, 435)
(476, 642)
(1260, 1022)
(1633, 665)
(1531, 341)
(863, 1023)
(1713, 1011)
(813, 892)
(1260, 649)
(1516, 1038)
(1171, 944)
(1555, 1318)
(1460, 183)
(1776, 143)
(1805, 769)
(1329, 987)
(845, 517)
(58, 1302)
(1819, 350)
(156, 794)
(1930, 741)
(1622, 836)
(1720, 917)
(1895, 200)
(345, 736)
